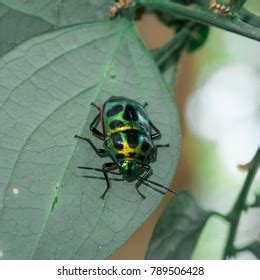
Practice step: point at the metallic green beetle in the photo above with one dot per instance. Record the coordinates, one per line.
(128, 137)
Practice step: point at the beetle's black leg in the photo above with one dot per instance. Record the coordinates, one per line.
(106, 167)
(157, 133)
(95, 122)
(160, 146)
(146, 175)
(93, 104)
(154, 156)
(98, 169)
(93, 128)
(99, 152)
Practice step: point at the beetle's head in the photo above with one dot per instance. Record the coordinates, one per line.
(130, 170)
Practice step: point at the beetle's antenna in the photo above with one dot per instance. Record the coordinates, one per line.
(102, 178)
(116, 173)
(161, 186)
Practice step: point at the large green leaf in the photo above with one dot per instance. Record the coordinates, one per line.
(178, 229)
(22, 19)
(49, 210)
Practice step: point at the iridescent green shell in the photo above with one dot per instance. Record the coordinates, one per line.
(127, 130)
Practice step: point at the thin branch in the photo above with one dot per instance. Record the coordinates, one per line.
(241, 249)
(234, 216)
(220, 215)
(173, 48)
(249, 17)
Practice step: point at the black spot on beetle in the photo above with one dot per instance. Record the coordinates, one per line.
(131, 155)
(116, 124)
(132, 139)
(120, 156)
(130, 113)
(115, 110)
(145, 146)
(117, 141)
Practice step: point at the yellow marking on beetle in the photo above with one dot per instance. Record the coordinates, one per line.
(123, 128)
(127, 149)
(129, 159)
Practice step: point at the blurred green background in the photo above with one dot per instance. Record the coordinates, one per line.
(218, 97)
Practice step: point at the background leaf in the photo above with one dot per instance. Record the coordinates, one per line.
(47, 85)
(23, 19)
(178, 229)
(198, 38)
(255, 248)
(257, 201)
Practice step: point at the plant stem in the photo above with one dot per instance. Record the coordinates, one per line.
(237, 5)
(249, 17)
(241, 249)
(173, 48)
(234, 216)
(220, 215)
(204, 17)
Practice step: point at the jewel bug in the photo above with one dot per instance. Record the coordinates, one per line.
(128, 135)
